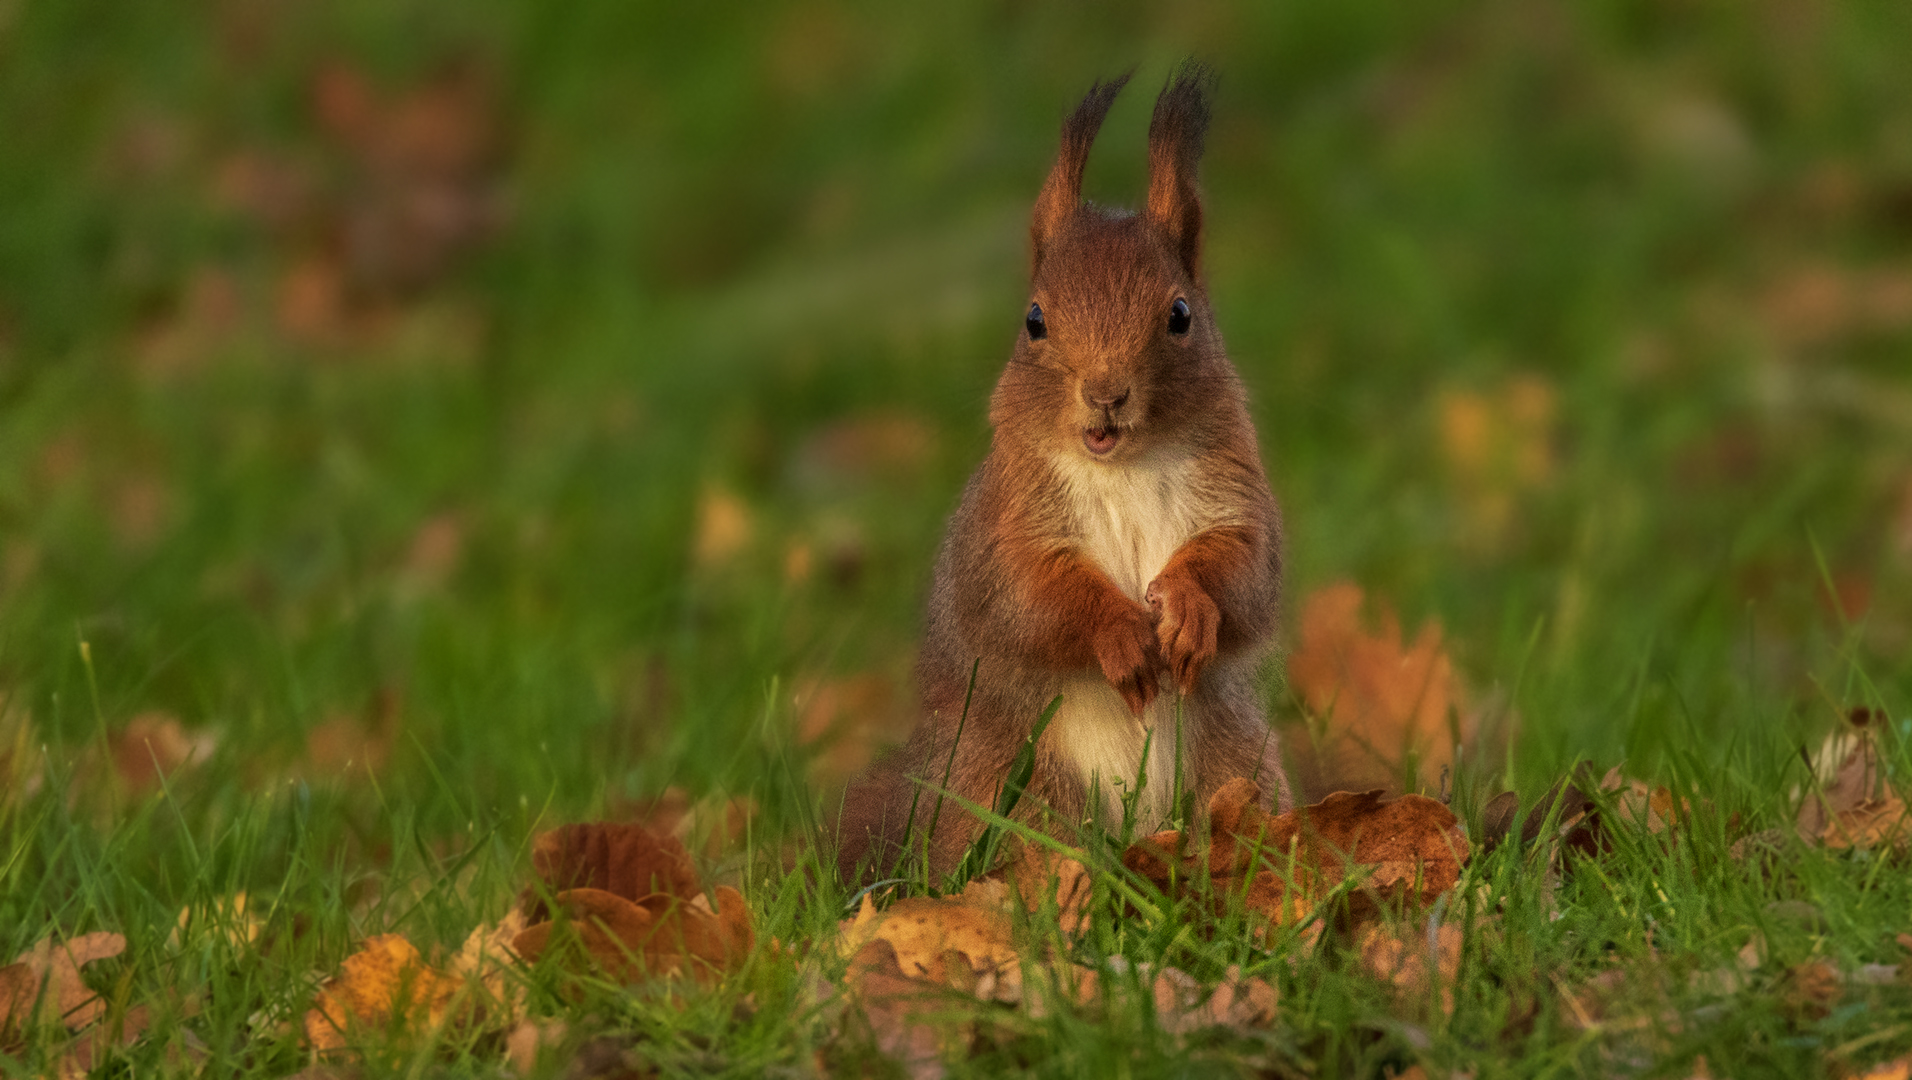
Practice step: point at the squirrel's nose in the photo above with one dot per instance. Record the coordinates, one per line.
(1101, 398)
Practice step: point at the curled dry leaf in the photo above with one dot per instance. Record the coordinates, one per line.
(1572, 810)
(93, 1046)
(630, 861)
(659, 935)
(1407, 848)
(632, 906)
(1854, 804)
(1498, 819)
(385, 985)
(1382, 704)
(49, 974)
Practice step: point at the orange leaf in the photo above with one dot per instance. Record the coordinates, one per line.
(1384, 703)
(50, 973)
(928, 933)
(1039, 874)
(385, 984)
(1183, 1005)
(1873, 823)
(1413, 958)
(1410, 847)
(659, 935)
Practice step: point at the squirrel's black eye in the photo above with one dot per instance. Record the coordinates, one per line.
(1033, 323)
(1178, 317)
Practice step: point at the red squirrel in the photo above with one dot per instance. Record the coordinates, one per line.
(1119, 546)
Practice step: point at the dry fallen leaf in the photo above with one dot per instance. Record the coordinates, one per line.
(1409, 848)
(632, 906)
(844, 723)
(929, 934)
(1183, 1005)
(91, 1048)
(226, 921)
(1040, 875)
(1574, 809)
(1874, 823)
(486, 959)
(912, 1020)
(723, 528)
(1498, 446)
(626, 860)
(49, 972)
(1811, 989)
(659, 935)
(1846, 772)
(532, 1040)
(385, 985)
(1378, 703)
(154, 745)
(1896, 1069)
(1415, 957)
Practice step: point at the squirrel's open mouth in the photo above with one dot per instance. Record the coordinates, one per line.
(1101, 440)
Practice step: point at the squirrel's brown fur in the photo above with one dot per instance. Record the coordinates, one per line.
(1119, 546)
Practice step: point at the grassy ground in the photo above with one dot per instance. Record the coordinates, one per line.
(1581, 329)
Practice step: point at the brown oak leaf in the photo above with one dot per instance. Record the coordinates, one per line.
(657, 935)
(630, 861)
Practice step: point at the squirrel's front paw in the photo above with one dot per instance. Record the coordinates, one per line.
(1125, 647)
(1188, 625)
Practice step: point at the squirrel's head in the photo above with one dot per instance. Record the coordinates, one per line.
(1118, 350)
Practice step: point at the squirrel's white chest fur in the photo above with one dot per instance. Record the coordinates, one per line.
(1129, 519)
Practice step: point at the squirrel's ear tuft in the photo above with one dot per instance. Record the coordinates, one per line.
(1062, 192)
(1175, 146)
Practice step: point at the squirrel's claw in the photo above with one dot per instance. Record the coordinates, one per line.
(1127, 651)
(1188, 627)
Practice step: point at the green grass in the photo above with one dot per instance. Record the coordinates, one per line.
(727, 235)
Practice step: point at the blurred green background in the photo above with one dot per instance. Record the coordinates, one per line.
(550, 404)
